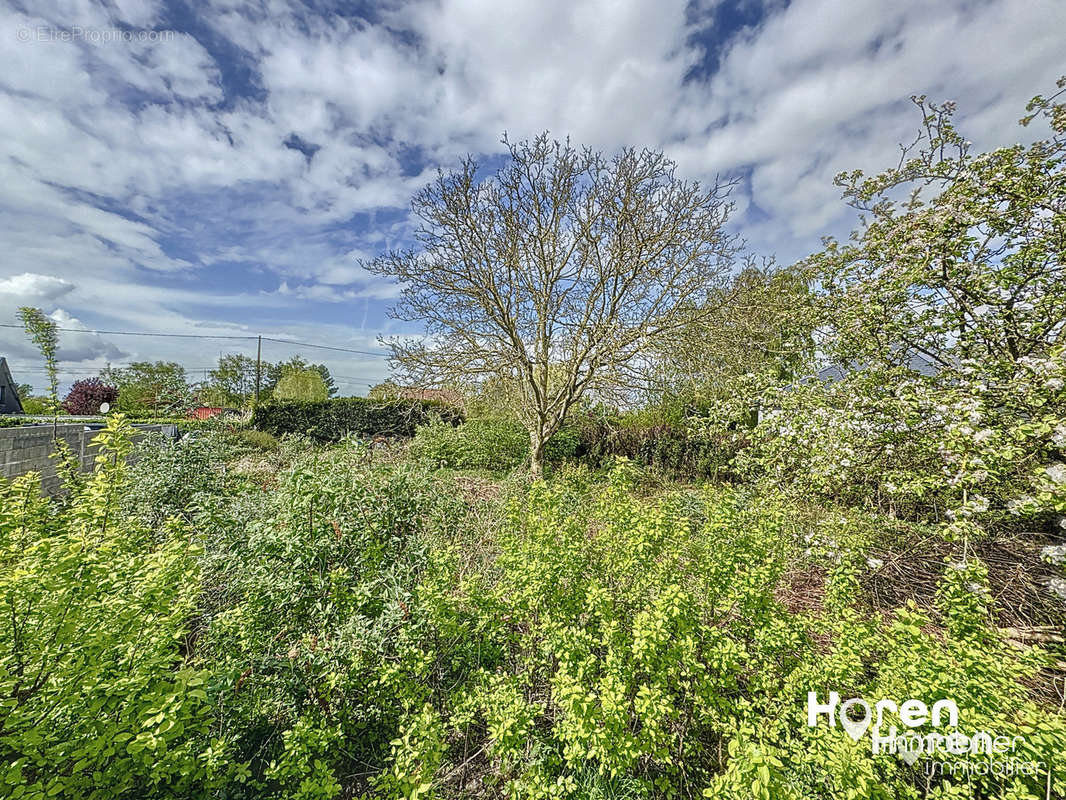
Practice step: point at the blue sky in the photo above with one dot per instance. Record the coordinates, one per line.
(221, 167)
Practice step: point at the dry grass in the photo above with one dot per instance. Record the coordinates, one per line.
(913, 567)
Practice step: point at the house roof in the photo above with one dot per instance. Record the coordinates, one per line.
(9, 382)
(916, 363)
(447, 396)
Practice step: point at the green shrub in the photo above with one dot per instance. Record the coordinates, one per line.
(485, 443)
(97, 701)
(257, 440)
(563, 445)
(166, 477)
(476, 444)
(332, 420)
(664, 446)
(312, 620)
(622, 646)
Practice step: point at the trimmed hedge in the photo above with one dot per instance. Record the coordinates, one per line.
(663, 446)
(330, 420)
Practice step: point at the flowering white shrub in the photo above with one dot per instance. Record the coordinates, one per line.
(945, 313)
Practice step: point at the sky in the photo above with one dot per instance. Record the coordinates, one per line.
(221, 168)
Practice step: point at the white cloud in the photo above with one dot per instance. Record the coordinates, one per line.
(32, 289)
(128, 183)
(76, 347)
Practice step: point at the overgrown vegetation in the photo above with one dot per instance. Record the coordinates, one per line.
(321, 623)
(312, 610)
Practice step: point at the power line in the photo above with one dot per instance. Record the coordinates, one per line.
(211, 336)
(95, 370)
(17, 367)
(140, 333)
(326, 347)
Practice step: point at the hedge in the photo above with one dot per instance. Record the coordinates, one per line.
(486, 443)
(664, 446)
(330, 420)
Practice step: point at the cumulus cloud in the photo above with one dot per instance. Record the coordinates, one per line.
(235, 172)
(77, 344)
(32, 289)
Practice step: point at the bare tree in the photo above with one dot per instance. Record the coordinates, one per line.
(556, 273)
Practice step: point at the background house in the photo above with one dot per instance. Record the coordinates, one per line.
(447, 396)
(9, 395)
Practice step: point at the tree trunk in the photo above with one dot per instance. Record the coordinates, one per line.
(536, 456)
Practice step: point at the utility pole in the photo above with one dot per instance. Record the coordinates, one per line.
(258, 367)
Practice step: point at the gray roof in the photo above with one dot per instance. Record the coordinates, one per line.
(916, 363)
(9, 396)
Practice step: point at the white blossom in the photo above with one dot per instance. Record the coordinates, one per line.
(1058, 586)
(1055, 553)
(1018, 504)
(1057, 472)
(1058, 436)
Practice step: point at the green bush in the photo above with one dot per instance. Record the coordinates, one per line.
(312, 620)
(664, 446)
(332, 420)
(97, 701)
(166, 477)
(485, 443)
(625, 647)
(257, 440)
(476, 444)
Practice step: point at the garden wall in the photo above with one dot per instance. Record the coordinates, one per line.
(27, 449)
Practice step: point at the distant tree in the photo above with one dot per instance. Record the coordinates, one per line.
(152, 388)
(44, 334)
(327, 379)
(493, 397)
(87, 395)
(386, 390)
(557, 274)
(25, 391)
(763, 335)
(274, 373)
(37, 405)
(232, 383)
(301, 384)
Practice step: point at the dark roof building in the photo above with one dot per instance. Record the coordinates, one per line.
(9, 393)
(916, 363)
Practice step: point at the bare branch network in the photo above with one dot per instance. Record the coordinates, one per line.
(556, 273)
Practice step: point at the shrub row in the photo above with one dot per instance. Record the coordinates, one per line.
(485, 443)
(331, 420)
(667, 447)
(489, 443)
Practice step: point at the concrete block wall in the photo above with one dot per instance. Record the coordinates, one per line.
(28, 449)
